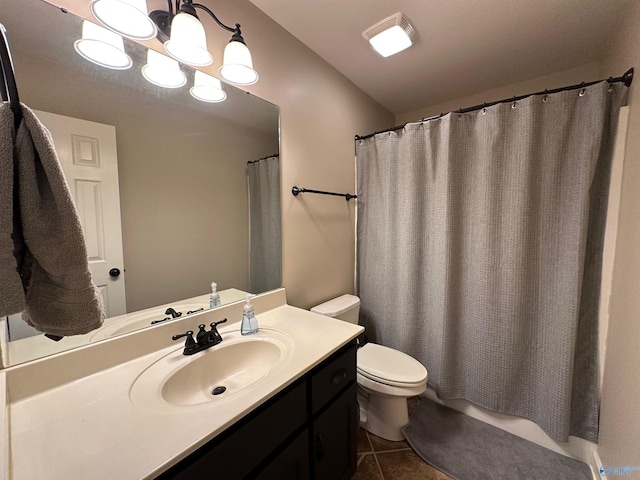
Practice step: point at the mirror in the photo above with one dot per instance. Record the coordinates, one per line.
(182, 172)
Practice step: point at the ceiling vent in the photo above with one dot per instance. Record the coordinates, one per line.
(391, 35)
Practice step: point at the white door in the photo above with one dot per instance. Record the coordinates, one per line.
(89, 159)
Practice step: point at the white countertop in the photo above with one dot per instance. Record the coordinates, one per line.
(88, 428)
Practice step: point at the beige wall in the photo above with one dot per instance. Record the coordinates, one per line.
(320, 112)
(183, 188)
(619, 417)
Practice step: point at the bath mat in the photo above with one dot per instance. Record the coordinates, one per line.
(469, 449)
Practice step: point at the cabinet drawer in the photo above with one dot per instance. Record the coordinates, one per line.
(331, 379)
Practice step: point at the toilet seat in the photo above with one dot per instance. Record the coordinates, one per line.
(390, 367)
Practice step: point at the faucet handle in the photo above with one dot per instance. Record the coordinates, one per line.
(217, 338)
(215, 324)
(186, 334)
(189, 343)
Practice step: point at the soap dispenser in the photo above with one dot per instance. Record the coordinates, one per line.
(249, 323)
(214, 298)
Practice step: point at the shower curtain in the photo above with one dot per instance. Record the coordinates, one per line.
(265, 258)
(480, 247)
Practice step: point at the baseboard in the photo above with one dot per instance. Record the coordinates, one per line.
(595, 465)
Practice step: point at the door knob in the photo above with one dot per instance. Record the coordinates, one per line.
(114, 272)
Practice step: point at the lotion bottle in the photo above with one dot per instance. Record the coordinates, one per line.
(249, 323)
(214, 298)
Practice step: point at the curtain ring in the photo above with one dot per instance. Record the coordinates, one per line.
(545, 98)
(582, 92)
(514, 104)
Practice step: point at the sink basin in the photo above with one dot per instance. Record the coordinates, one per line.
(137, 320)
(216, 375)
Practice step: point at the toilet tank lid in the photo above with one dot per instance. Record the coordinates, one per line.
(337, 306)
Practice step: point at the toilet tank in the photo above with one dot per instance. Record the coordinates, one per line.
(345, 307)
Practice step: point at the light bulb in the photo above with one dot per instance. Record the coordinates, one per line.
(102, 47)
(391, 41)
(238, 66)
(163, 71)
(126, 17)
(207, 88)
(188, 42)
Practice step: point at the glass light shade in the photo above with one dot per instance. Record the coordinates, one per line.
(188, 42)
(163, 71)
(390, 41)
(207, 88)
(102, 47)
(126, 17)
(237, 66)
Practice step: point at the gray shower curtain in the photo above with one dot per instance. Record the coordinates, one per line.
(265, 259)
(480, 246)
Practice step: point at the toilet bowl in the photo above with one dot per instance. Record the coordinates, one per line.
(386, 377)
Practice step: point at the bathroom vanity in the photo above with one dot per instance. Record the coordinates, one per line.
(134, 407)
(309, 430)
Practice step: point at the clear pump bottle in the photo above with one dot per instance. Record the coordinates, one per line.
(249, 323)
(214, 298)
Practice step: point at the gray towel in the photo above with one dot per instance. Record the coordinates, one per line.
(60, 297)
(11, 291)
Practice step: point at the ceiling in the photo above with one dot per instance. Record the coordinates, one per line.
(463, 46)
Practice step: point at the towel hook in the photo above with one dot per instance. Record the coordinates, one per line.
(8, 87)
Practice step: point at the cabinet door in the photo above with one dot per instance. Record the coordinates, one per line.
(292, 463)
(333, 438)
(242, 448)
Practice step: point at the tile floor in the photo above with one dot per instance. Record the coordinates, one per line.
(380, 459)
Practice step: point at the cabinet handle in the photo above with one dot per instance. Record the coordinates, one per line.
(338, 377)
(319, 447)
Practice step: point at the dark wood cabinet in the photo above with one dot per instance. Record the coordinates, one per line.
(306, 432)
(333, 435)
(291, 463)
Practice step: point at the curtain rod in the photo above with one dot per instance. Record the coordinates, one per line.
(627, 78)
(263, 158)
(296, 190)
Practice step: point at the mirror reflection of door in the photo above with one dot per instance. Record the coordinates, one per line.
(88, 155)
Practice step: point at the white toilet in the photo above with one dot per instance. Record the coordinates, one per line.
(386, 377)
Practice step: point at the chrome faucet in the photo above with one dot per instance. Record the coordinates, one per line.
(203, 339)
